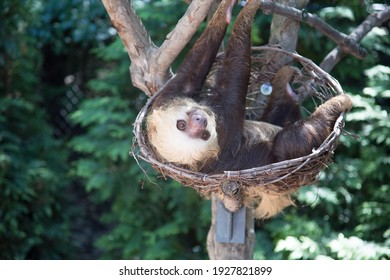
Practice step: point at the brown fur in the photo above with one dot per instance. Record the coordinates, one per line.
(237, 144)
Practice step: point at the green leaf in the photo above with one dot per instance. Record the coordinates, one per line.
(337, 12)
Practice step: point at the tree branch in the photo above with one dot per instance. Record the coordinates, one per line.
(150, 66)
(373, 20)
(135, 38)
(345, 42)
(177, 39)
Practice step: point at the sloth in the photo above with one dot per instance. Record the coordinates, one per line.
(210, 133)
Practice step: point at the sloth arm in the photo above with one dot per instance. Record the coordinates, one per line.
(192, 72)
(232, 83)
(303, 136)
(283, 108)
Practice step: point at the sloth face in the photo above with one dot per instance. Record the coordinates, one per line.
(183, 133)
(194, 124)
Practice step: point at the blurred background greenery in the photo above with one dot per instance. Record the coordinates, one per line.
(69, 189)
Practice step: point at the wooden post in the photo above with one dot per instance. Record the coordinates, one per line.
(230, 251)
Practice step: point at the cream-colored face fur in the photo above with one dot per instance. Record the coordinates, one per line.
(176, 146)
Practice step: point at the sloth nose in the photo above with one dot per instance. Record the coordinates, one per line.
(199, 119)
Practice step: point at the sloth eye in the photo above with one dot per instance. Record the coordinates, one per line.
(181, 125)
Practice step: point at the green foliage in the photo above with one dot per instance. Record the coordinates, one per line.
(89, 199)
(64, 24)
(32, 176)
(353, 248)
(341, 248)
(36, 221)
(338, 12)
(33, 221)
(154, 16)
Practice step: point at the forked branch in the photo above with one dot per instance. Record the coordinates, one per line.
(373, 20)
(344, 41)
(150, 65)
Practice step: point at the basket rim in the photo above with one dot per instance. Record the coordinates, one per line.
(199, 180)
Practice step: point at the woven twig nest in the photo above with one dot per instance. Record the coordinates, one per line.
(316, 86)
